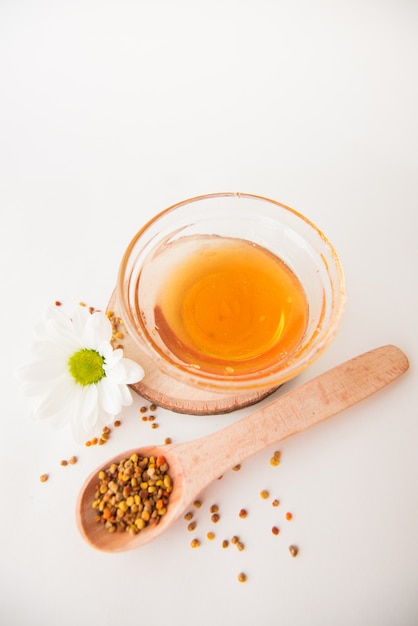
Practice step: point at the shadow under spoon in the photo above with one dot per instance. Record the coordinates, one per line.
(194, 465)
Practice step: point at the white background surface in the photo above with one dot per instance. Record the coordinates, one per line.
(113, 110)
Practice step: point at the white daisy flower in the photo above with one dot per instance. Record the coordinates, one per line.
(75, 376)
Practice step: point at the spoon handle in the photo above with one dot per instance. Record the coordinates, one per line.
(311, 403)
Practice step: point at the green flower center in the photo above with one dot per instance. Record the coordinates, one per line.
(86, 366)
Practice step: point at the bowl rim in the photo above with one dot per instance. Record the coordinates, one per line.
(186, 373)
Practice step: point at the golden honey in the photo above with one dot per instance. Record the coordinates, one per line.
(229, 306)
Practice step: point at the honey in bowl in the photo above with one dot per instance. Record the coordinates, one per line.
(228, 306)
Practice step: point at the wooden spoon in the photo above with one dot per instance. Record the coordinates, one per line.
(194, 465)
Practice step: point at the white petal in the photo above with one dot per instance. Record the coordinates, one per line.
(87, 407)
(103, 418)
(97, 330)
(57, 319)
(53, 349)
(37, 390)
(116, 373)
(134, 372)
(32, 389)
(111, 356)
(123, 370)
(110, 396)
(77, 429)
(54, 344)
(65, 413)
(59, 395)
(126, 395)
(79, 320)
(59, 329)
(42, 371)
(85, 413)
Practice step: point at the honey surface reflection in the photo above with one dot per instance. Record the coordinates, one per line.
(229, 306)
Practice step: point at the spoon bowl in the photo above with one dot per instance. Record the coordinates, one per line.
(194, 465)
(99, 537)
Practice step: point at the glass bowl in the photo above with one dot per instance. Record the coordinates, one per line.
(231, 292)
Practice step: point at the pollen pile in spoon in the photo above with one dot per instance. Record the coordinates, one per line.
(133, 493)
